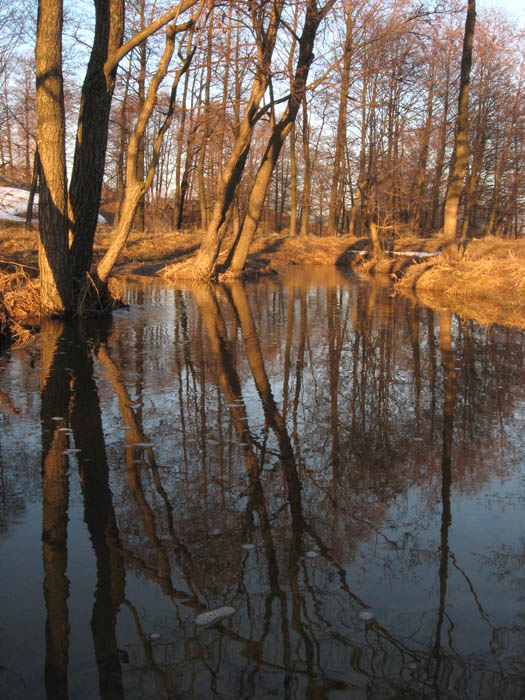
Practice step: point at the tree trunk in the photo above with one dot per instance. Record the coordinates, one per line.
(56, 287)
(281, 129)
(461, 147)
(293, 184)
(140, 216)
(340, 140)
(136, 188)
(307, 182)
(181, 183)
(32, 191)
(204, 264)
(92, 135)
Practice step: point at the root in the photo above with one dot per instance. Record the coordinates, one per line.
(187, 270)
(95, 298)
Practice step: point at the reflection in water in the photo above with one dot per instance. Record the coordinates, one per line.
(300, 452)
(55, 500)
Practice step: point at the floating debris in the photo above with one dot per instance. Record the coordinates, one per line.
(65, 430)
(365, 615)
(154, 635)
(57, 418)
(312, 554)
(71, 451)
(248, 546)
(211, 616)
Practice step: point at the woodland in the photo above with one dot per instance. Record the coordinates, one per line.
(372, 119)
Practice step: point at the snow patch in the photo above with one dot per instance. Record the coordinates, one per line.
(13, 205)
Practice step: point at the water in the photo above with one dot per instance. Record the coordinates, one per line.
(342, 468)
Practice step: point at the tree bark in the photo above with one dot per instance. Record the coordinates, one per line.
(204, 264)
(92, 135)
(135, 187)
(461, 150)
(56, 287)
(237, 258)
(307, 174)
(340, 140)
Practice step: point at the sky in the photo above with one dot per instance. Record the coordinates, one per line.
(516, 7)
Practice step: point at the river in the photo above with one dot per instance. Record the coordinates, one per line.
(333, 474)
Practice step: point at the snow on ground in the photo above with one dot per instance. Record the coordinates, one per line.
(13, 205)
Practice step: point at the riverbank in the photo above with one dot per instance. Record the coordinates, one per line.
(486, 284)
(486, 290)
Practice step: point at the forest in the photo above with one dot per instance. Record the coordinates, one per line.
(364, 118)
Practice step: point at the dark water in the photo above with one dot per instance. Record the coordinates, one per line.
(310, 454)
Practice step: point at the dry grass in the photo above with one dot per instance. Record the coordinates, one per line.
(486, 284)
(149, 248)
(18, 245)
(280, 250)
(19, 306)
(275, 251)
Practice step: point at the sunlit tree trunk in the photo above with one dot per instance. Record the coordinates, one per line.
(135, 188)
(340, 141)
(178, 199)
(56, 281)
(417, 205)
(280, 131)
(140, 216)
(436, 214)
(307, 173)
(204, 263)
(461, 150)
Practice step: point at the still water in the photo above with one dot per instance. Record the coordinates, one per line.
(334, 474)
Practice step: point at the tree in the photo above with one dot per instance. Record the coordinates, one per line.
(461, 149)
(137, 186)
(265, 36)
(63, 271)
(56, 279)
(281, 129)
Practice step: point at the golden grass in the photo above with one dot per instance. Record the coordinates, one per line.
(19, 306)
(486, 284)
(278, 250)
(149, 248)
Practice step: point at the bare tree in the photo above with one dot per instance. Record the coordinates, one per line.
(461, 150)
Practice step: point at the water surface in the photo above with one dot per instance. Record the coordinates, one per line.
(341, 467)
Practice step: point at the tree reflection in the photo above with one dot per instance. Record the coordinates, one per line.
(295, 453)
(55, 500)
(69, 397)
(99, 516)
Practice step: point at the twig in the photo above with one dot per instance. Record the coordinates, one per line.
(12, 262)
